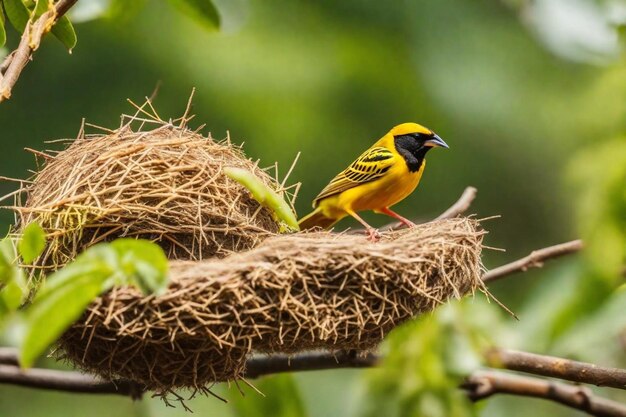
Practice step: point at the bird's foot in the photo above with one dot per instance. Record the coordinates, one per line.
(373, 235)
(408, 223)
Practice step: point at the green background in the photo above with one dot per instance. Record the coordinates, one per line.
(534, 123)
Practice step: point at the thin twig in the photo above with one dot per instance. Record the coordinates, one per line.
(14, 63)
(583, 372)
(534, 260)
(484, 384)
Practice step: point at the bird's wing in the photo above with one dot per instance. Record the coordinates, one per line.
(371, 165)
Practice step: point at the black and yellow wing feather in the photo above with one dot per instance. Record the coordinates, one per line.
(370, 166)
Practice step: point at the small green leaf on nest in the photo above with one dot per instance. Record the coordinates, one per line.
(32, 243)
(265, 196)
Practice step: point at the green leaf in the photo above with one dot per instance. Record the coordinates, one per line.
(66, 293)
(144, 264)
(32, 243)
(3, 33)
(281, 398)
(17, 13)
(7, 261)
(41, 6)
(99, 258)
(53, 312)
(203, 12)
(12, 296)
(64, 31)
(15, 290)
(264, 195)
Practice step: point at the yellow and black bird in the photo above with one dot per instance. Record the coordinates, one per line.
(382, 176)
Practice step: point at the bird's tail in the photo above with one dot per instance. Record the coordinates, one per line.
(316, 219)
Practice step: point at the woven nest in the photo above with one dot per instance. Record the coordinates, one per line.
(237, 286)
(292, 293)
(165, 185)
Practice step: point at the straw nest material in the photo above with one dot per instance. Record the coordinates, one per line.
(166, 185)
(237, 286)
(291, 293)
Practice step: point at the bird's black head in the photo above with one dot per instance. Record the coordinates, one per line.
(415, 143)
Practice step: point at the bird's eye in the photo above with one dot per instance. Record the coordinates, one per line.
(421, 136)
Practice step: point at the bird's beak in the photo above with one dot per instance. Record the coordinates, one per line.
(435, 142)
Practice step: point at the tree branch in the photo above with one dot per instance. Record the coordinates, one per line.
(14, 63)
(315, 361)
(484, 384)
(479, 385)
(534, 260)
(8, 356)
(66, 381)
(555, 367)
(257, 366)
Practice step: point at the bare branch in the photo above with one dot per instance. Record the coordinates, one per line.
(479, 385)
(484, 384)
(14, 63)
(8, 356)
(587, 373)
(314, 361)
(66, 381)
(534, 260)
(69, 381)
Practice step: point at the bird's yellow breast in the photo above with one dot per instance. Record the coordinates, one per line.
(396, 185)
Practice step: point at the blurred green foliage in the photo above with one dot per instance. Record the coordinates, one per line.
(280, 398)
(531, 96)
(65, 294)
(426, 360)
(602, 204)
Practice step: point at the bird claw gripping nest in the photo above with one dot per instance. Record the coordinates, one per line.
(237, 286)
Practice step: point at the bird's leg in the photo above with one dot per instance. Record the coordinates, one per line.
(372, 234)
(404, 221)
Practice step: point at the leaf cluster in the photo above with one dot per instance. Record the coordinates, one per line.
(64, 295)
(21, 13)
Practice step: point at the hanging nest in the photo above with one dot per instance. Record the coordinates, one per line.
(292, 293)
(166, 185)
